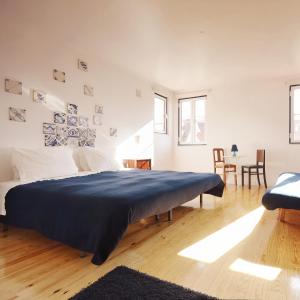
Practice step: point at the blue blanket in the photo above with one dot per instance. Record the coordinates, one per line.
(91, 213)
(285, 194)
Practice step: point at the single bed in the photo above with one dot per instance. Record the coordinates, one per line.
(92, 212)
(284, 195)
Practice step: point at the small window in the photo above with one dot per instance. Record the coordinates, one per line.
(160, 114)
(294, 114)
(191, 114)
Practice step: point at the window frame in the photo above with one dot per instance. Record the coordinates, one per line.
(165, 99)
(179, 121)
(291, 115)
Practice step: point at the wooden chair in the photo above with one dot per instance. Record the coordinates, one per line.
(255, 168)
(219, 163)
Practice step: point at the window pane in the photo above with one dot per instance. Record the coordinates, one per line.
(296, 127)
(192, 120)
(200, 121)
(297, 101)
(160, 122)
(186, 122)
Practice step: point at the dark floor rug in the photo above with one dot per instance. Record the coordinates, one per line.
(125, 283)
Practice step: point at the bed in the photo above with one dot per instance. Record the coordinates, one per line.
(92, 212)
(284, 195)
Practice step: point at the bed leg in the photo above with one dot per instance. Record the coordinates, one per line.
(201, 200)
(82, 254)
(157, 218)
(281, 215)
(5, 227)
(170, 215)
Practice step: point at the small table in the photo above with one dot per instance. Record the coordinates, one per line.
(144, 164)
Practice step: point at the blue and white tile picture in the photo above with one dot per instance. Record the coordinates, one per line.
(113, 132)
(73, 132)
(98, 109)
(72, 120)
(59, 117)
(83, 121)
(92, 133)
(72, 109)
(17, 114)
(50, 140)
(49, 128)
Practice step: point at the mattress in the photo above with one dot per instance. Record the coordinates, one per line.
(91, 213)
(5, 186)
(285, 194)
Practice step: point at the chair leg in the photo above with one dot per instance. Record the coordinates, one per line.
(265, 180)
(243, 171)
(170, 215)
(201, 200)
(249, 178)
(224, 176)
(235, 179)
(258, 179)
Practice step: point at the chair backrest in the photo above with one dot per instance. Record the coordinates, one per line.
(218, 154)
(260, 157)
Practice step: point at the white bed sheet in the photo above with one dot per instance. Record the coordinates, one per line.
(5, 186)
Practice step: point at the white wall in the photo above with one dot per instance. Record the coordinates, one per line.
(252, 115)
(31, 59)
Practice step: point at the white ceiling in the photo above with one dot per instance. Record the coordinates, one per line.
(180, 44)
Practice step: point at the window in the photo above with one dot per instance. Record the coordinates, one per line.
(294, 114)
(191, 114)
(160, 114)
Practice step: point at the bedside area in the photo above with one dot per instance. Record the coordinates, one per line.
(137, 163)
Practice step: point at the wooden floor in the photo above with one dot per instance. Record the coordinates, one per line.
(230, 249)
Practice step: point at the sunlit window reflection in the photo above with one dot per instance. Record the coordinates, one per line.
(220, 242)
(253, 269)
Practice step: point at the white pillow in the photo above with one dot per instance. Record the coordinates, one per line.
(43, 163)
(99, 161)
(81, 160)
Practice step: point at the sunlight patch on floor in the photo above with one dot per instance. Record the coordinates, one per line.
(214, 246)
(253, 269)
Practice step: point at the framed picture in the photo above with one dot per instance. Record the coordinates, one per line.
(59, 117)
(17, 114)
(39, 96)
(72, 109)
(59, 75)
(72, 120)
(13, 86)
(82, 65)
